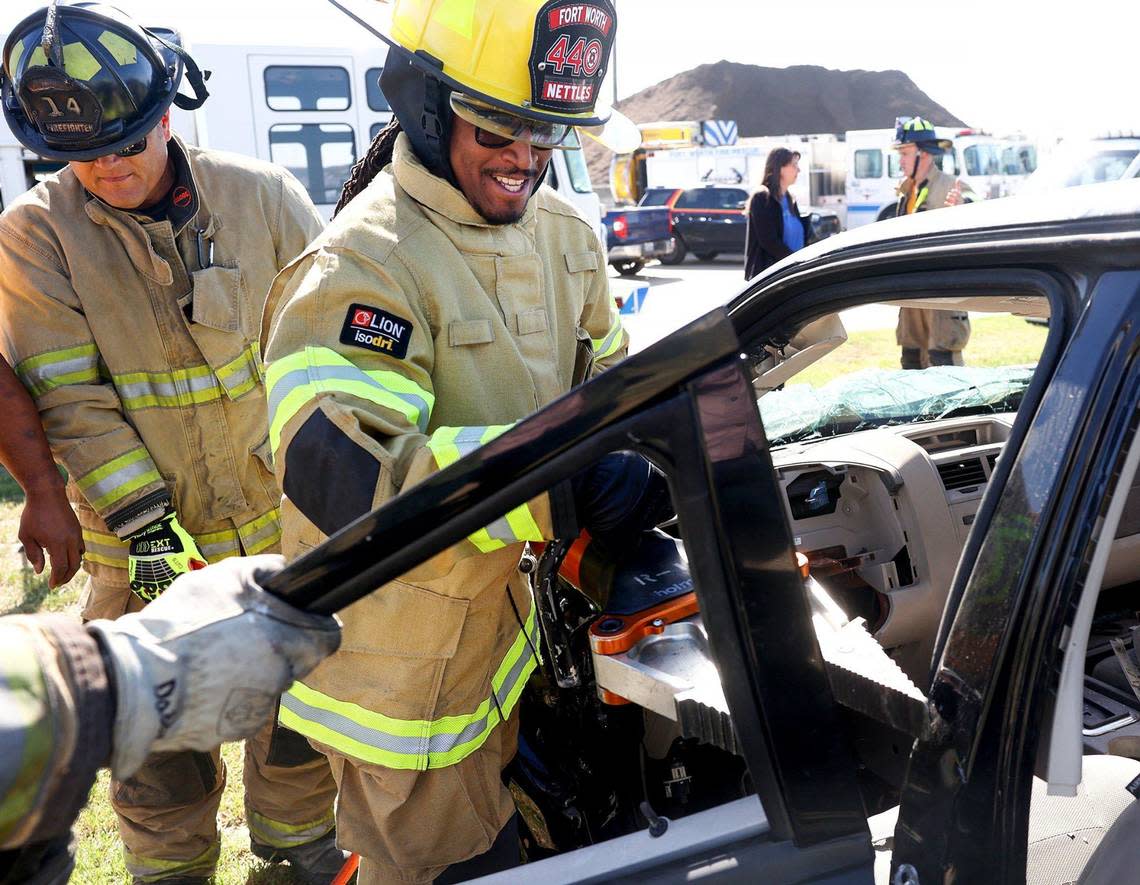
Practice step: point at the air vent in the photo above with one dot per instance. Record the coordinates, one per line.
(992, 458)
(961, 474)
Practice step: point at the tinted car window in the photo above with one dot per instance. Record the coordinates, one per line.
(656, 197)
(712, 198)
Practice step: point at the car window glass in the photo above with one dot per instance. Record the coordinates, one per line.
(656, 197)
(859, 383)
(692, 199)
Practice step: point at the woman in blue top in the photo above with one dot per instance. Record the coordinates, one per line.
(775, 226)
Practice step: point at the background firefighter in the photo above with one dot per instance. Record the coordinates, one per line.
(131, 285)
(928, 337)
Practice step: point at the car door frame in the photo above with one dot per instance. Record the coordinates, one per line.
(965, 802)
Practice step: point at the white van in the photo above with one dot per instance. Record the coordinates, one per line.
(313, 110)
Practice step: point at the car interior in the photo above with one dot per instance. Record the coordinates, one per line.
(882, 474)
(881, 501)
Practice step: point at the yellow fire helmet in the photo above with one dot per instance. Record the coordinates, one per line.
(530, 70)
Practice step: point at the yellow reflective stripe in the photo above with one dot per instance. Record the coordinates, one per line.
(104, 548)
(241, 375)
(154, 869)
(182, 387)
(118, 478)
(609, 344)
(922, 195)
(70, 365)
(413, 744)
(299, 378)
(276, 834)
(448, 445)
(28, 739)
(260, 533)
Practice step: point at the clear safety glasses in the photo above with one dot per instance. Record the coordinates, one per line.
(495, 128)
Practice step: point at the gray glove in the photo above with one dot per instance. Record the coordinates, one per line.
(206, 661)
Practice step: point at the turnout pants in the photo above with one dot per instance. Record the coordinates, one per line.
(168, 809)
(410, 826)
(932, 337)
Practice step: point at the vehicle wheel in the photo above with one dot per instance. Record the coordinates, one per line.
(628, 267)
(707, 256)
(888, 212)
(677, 254)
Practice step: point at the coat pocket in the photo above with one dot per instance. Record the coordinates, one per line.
(402, 637)
(218, 297)
(222, 332)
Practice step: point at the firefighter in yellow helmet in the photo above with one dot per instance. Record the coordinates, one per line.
(451, 296)
(131, 284)
(928, 337)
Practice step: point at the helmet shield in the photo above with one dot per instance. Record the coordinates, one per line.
(540, 133)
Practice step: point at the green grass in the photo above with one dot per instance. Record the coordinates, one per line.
(994, 341)
(100, 858)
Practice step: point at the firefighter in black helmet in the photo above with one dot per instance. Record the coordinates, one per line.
(85, 81)
(130, 287)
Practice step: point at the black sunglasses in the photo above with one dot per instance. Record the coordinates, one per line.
(487, 139)
(132, 150)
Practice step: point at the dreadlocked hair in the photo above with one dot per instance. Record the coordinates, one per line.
(364, 170)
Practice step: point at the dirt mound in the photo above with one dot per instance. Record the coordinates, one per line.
(775, 101)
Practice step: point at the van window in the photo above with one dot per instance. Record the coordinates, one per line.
(306, 88)
(376, 99)
(319, 154)
(712, 198)
(869, 163)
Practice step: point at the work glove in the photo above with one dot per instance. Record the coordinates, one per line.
(619, 497)
(158, 554)
(206, 661)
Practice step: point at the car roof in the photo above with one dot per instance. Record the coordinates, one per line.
(1102, 201)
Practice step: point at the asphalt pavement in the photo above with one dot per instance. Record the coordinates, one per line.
(667, 297)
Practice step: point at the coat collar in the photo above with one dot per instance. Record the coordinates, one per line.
(129, 226)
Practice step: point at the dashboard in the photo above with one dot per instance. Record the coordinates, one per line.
(883, 515)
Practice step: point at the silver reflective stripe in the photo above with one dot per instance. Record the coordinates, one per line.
(174, 388)
(418, 747)
(217, 549)
(501, 530)
(469, 439)
(108, 485)
(253, 541)
(234, 378)
(290, 381)
(608, 341)
(350, 728)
